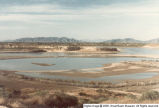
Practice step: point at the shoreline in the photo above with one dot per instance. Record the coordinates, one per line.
(113, 69)
(83, 55)
(86, 92)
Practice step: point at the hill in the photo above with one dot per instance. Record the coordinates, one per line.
(47, 40)
(153, 41)
(126, 40)
(71, 40)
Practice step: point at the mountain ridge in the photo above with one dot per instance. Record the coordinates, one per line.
(72, 40)
(46, 39)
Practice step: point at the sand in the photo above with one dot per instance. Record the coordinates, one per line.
(10, 80)
(151, 46)
(108, 70)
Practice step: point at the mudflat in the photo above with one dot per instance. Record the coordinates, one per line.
(129, 67)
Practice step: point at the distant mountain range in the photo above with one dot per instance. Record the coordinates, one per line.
(46, 39)
(126, 40)
(71, 40)
(153, 41)
(131, 40)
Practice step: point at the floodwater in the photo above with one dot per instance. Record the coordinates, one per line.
(64, 61)
(61, 63)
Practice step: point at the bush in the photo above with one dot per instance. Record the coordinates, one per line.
(38, 51)
(36, 100)
(108, 49)
(131, 96)
(73, 48)
(15, 94)
(150, 95)
(82, 94)
(61, 100)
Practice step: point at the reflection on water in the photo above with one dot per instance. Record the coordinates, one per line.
(113, 79)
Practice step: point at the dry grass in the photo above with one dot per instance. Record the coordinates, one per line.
(49, 99)
(61, 100)
(41, 99)
(107, 49)
(83, 94)
(2, 101)
(73, 48)
(36, 100)
(16, 104)
(123, 100)
(150, 95)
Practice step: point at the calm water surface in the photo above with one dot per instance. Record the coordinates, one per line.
(61, 63)
(70, 63)
(151, 51)
(113, 79)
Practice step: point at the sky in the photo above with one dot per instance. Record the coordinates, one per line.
(79, 19)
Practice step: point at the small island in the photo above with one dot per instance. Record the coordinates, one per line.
(43, 64)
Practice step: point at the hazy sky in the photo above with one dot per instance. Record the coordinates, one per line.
(81, 19)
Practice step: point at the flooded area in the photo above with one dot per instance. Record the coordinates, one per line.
(65, 62)
(61, 63)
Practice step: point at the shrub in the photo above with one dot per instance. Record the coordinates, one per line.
(131, 96)
(15, 94)
(150, 95)
(61, 100)
(108, 49)
(73, 48)
(36, 100)
(83, 94)
(38, 51)
(15, 104)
